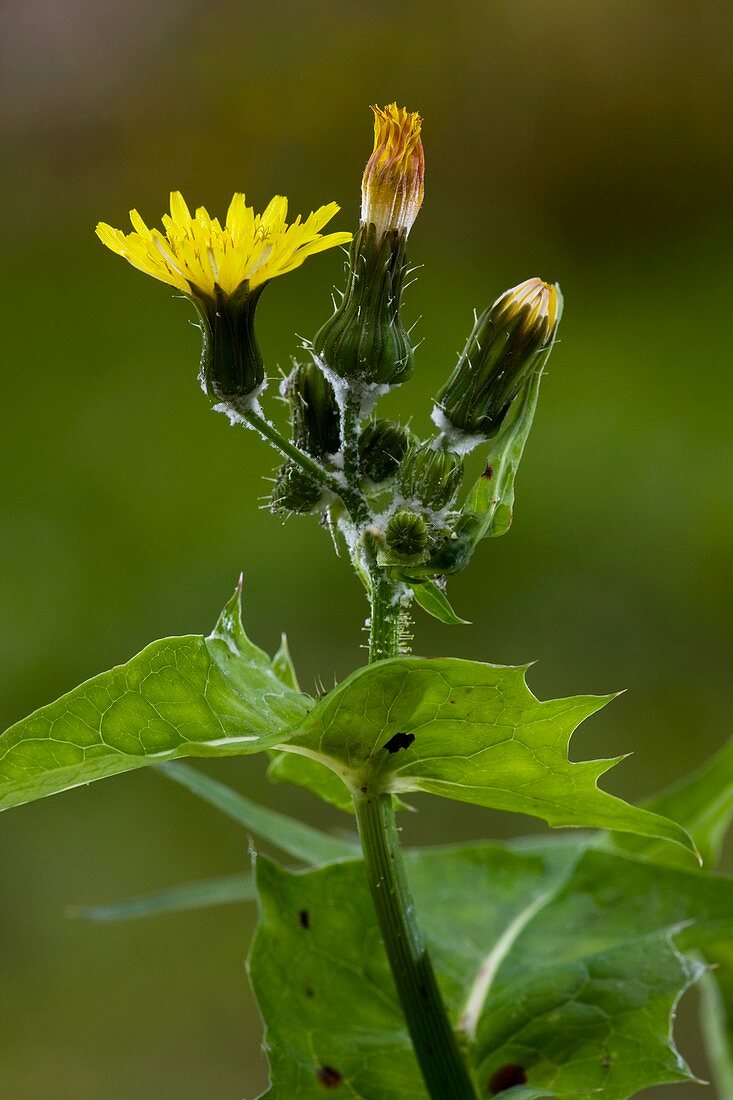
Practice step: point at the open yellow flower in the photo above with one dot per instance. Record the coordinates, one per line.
(197, 253)
(223, 270)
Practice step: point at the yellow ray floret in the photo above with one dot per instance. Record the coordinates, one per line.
(197, 253)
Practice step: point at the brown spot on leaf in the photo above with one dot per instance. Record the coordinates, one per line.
(329, 1077)
(309, 992)
(399, 741)
(305, 918)
(506, 1078)
(488, 473)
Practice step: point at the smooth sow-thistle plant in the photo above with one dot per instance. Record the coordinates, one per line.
(542, 968)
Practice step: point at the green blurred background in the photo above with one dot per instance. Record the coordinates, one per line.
(581, 141)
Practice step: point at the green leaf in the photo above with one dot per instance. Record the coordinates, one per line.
(324, 989)
(702, 803)
(313, 776)
(717, 1016)
(433, 599)
(491, 498)
(189, 696)
(596, 1025)
(563, 962)
(283, 665)
(469, 731)
(189, 895)
(286, 833)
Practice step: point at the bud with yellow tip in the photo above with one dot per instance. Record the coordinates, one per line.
(393, 185)
(365, 341)
(509, 341)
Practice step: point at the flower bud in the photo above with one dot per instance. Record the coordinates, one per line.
(365, 342)
(430, 478)
(407, 535)
(231, 367)
(393, 184)
(382, 445)
(295, 492)
(313, 410)
(509, 341)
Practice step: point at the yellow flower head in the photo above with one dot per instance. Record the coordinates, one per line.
(198, 255)
(393, 185)
(535, 304)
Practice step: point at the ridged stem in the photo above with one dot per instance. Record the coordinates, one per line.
(443, 1068)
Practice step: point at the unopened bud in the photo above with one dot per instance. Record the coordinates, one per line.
(429, 477)
(295, 492)
(407, 535)
(393, 184)
(365, 342)
(382, 445)
(510, 340)
(313, 410)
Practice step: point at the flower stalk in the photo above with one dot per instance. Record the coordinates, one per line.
(436, 1046)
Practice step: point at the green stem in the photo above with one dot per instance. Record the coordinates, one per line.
(353, 501)
(350, 416)
(443, 1068)
(385, 616)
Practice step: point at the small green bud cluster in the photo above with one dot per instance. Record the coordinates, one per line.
(428, 482)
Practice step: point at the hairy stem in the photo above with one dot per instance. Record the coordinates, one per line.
(352, 500)
(443, 1068)
(384, 622)
(350, 415)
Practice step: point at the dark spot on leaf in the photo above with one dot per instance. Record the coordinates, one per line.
(488, 473)
(506, 1078)
(305, 918)
(309, 992)
(363, 789)
(399, 741)
(329, 1077)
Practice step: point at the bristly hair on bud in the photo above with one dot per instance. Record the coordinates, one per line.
(510, 340)
(393, 185)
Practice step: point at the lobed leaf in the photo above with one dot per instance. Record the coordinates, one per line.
(472, 732)
(188, 696)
